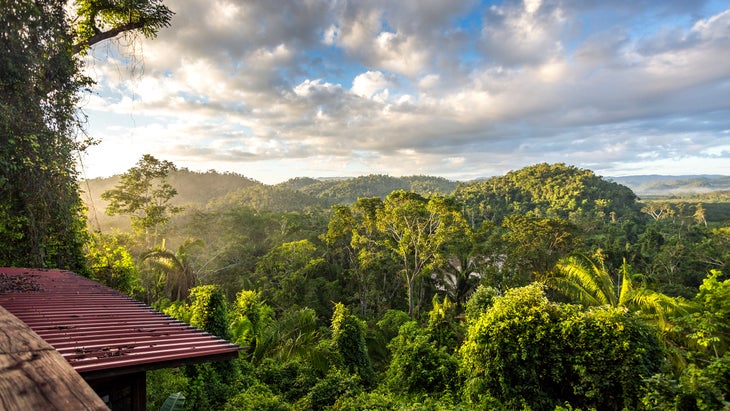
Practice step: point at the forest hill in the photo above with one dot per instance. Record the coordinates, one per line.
(544, 287)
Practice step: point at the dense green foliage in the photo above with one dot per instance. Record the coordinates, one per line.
(526, 350)
(110, 263)
(557, 295)
(419, 364)
(376, 292)
(545, 190)
(40, 209)
(548, 288)
(41, 134)
(348, 337)
(97, 20)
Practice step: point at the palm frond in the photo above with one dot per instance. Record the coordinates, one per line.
(627, 287)
(583, 280)
(575, 291)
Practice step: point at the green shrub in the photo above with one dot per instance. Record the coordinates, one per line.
(527, 351)
(418, 365)
(391, 322)
(328, 390)
(291, 380)
(479, 302)
(444, 328)
(163, 382)
(348, 335)
(257, 398)
(696, 389)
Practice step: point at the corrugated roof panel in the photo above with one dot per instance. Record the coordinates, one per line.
(97, 328)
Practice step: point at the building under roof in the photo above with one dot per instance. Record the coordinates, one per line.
(111, 340)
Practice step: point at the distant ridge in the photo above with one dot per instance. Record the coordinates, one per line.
(346, 190)
(214, 190)
(666, 185)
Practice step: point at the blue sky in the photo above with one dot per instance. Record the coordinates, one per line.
(461, 89)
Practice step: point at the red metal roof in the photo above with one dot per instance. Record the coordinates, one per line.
(97, 329)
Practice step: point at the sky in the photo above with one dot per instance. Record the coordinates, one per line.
(461, 89)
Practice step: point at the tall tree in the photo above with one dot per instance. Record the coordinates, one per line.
(356, 248)
(374, 261)
(343, 253)
(293, 274)
(525, 248)
(41, 213)
(40, 208)
(144, 194)
(416, 230)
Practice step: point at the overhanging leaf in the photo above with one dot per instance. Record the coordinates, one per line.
(174, 402)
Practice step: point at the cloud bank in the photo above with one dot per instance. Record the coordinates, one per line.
(461, 89)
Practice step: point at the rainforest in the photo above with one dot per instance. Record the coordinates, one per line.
(546, 288)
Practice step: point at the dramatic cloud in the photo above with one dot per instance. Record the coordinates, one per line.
(461, 89)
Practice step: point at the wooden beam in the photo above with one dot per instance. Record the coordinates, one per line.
(34, 376)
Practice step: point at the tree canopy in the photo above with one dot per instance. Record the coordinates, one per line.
(41, 81)
(99, 20)
(546, 190)
(321, 295)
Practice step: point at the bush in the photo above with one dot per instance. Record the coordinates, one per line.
(700, 389)
(348, 335)
(479, 302)
(163, 382)
(257, 398)
(527, 351)
(391, 322)
(608, 352)
(418, 365)
(444, 328)
(328, 390)
(291, 380)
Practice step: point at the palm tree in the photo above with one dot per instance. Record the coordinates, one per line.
(459, 278)
(587, 281)
(292, 336)
(180, 276)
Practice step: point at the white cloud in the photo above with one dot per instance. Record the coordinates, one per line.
(356, 33)
(429, 81)
(516, 34)
(448, 88)
(369, 83)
